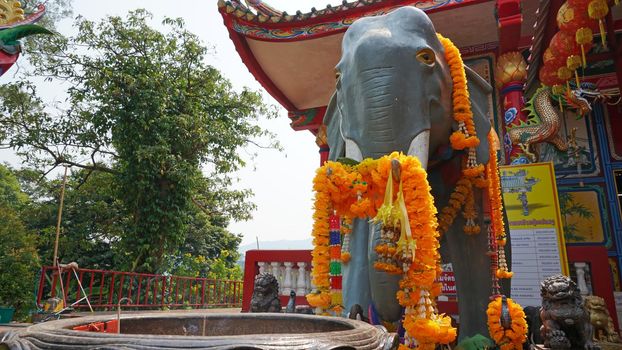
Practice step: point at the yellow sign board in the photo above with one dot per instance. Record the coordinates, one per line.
(532, 208)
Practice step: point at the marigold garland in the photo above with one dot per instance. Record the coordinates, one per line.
(412, 251)
(496, 206)
(464, 138)
(513, 337)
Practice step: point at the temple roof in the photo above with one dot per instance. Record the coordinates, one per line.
(293, 55)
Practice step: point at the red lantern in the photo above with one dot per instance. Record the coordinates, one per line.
(573, 15)
(552, 58)
(548, 76)
(564, 44)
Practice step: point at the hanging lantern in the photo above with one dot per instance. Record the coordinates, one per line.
(548, 76)
(552, 59)
(565, 45)
(584, 37)
(598, 9)
(573, 15)
(573, 62)
(564, 74)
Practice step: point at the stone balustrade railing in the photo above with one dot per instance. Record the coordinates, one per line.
(291, 275)
(292, 268)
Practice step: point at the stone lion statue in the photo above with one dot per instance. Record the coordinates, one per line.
(565, 322)
(265, 294)
(604, 329)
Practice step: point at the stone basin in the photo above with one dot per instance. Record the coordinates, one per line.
(178, 330)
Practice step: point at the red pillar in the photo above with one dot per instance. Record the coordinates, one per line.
(511, 73)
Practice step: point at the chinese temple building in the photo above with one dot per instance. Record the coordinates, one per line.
(572, 46)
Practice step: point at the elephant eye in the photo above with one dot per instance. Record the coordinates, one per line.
(337, 75)
(426, 56)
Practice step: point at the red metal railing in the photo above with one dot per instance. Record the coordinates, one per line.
(105, 288)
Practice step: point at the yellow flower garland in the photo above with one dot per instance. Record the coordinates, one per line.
(464, 137)
(417, 246)
(514, 337)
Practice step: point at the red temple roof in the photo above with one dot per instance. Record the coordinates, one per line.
(293, 55)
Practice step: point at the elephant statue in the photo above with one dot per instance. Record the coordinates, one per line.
(394, 93)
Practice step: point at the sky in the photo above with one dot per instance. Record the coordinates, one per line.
(281, 181)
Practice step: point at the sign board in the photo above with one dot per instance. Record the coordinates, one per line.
(535, 228)
(448, 281)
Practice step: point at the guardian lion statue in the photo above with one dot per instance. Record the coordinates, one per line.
(604, 329)
(565, 321)
(265, 294)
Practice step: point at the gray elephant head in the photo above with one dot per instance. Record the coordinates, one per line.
(394, 90)
(394, 93)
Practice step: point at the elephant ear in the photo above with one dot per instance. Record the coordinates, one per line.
(332, 120)
(480, 91)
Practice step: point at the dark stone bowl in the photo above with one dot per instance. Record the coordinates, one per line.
(177, 330)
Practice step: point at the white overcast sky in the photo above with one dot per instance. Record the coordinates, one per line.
(281, 180)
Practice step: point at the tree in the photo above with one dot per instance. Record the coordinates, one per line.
(143, 107)
(93, 218)
(19, 260)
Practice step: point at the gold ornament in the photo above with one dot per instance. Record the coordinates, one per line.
(10, 12)
(583, 36)
(320, 138)
(510, 67)
(598, 9)
(573, 62)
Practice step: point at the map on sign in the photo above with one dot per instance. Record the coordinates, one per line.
(536, 237)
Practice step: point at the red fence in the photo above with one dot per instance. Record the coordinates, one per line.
(105, 288)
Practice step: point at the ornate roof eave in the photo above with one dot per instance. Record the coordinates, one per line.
(260, 25)
(244, 25)
(30, 19)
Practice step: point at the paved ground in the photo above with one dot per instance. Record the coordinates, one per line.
(14, 326)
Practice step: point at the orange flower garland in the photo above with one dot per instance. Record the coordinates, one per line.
(464, 137)
(513, 337)
(496, 206)
(412, 215)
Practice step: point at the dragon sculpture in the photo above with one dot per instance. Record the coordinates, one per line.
(545, 119)
(15, 25)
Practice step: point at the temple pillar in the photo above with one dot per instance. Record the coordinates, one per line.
(511, 74)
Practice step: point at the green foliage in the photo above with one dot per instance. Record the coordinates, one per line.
(93, 218)
(144, 115)
(476, 342)
(18, 260)
(10, 193)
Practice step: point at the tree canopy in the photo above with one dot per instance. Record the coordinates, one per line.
(152, 133)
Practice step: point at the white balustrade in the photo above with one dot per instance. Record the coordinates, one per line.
(581, 269)
(287, 281)
(290, 275)
(301, 283)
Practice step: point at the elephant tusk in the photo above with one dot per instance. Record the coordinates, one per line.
(353, 151)
(419, 147)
